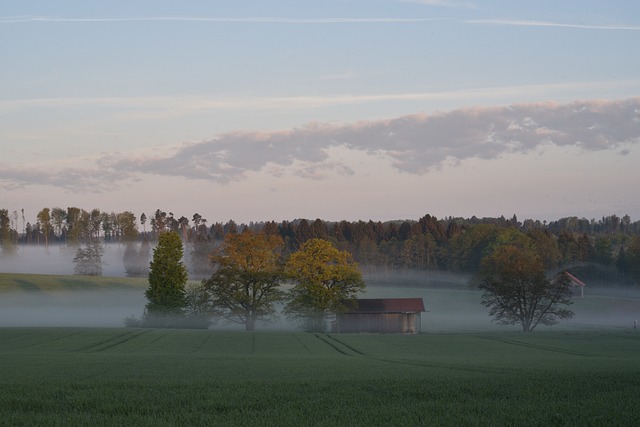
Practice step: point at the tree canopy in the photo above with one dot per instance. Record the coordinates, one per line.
(325, 280)
(245, 285)
(517, 291)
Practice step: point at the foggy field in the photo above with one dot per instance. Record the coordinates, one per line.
(463, 370)
(50, 300)
(82, 376)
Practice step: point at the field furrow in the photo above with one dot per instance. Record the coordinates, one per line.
(342, 343)
(336, 345)
(535, 346)
(112, 341)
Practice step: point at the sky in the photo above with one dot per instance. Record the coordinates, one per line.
(334, 109)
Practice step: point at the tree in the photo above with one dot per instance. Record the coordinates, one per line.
(167, 280)
(517, 290)
(58, 219)
(249, 272)
(325, 281)
(6, 233)
(128, 229)
(632, 258)
(136, 260)
(44, 218)
(88, 261)
(74, 226)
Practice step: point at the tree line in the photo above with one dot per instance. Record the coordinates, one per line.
(605, 250)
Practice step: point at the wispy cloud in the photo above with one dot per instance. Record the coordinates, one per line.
(23, 19)
(346, 75)
(412, 144)
(220, 20)
(525, 23)
(444, 3)
(154, 107)
(88, 179)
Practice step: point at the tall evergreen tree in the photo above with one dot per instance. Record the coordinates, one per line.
(167, 280)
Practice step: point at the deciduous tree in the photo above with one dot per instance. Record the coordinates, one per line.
(44, 218)
(246, 284)
(6, 233)
(633, 258)
(517, 291)
(88, 261)
(325, 281)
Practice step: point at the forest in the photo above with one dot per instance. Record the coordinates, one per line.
(603, 252)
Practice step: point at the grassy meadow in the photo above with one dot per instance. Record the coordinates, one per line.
(116, 376)
(462, 371)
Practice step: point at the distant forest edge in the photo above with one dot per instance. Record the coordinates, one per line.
(605, 252)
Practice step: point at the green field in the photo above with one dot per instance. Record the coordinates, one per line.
(102, 376)
(462, 371)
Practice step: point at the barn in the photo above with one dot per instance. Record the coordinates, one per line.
(382, 315)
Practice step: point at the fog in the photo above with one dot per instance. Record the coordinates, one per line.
(451, 306)
(31, 259)
(95, 308)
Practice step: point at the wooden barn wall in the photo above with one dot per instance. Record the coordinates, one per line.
(389, 323)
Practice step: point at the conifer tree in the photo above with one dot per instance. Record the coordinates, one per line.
(167, 280)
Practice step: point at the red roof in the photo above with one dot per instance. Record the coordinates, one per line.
(575, 280)
(389, 305)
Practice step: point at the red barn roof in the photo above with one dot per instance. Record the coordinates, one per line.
(575, 280)
(389, 305)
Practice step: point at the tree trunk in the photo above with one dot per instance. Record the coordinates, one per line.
(251, 320)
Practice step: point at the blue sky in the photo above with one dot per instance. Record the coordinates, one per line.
(377, 109)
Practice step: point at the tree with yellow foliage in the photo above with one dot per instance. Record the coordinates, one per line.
(246, 283)
(325, 279)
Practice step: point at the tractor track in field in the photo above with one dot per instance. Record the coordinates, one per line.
(153, 341)
(58, 338)
(536, 346)
(432, 365)
(306, 347)
(337, 345)
(353, 349)
(348, 350)
(13, 337)
(201, 345)
(112, 342)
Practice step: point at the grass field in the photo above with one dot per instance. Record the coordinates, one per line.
(463, 371)
(103, 376)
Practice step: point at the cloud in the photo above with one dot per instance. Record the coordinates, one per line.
(88, 179)
(25, 19)
(22, 19)
(525, 23)
(347, 75)
(444, 3)
(414, 144)
(163, 107)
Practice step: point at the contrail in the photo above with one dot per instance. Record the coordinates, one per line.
(315, 21)
(222, 20)
(524, 23)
